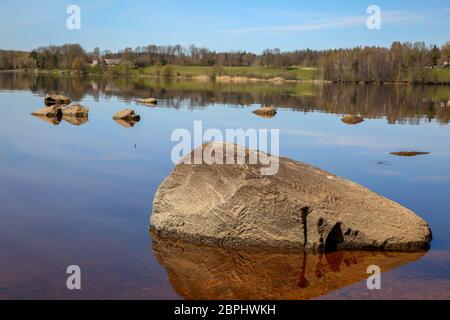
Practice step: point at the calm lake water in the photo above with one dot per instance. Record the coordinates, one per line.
(82, 195)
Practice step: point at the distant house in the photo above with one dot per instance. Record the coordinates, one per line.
(97, 61)
(104, 62)
(112, 62)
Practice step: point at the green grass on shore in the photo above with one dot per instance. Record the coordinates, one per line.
(440, 75)
(289, 73)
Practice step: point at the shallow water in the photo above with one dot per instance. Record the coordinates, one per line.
(82, 195)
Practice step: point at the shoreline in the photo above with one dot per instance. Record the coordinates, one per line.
(230, 79)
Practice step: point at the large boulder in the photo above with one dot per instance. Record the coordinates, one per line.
(51, 100)
(298, 207)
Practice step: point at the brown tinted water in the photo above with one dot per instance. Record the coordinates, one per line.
(80, 193)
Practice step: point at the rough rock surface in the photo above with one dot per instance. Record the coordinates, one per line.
(351, 119)
(76, 110)
(199, 272)
(299, 207)
(54, 111)
(51, 100)
(266, 112)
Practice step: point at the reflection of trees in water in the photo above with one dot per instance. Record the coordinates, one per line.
(398, 103)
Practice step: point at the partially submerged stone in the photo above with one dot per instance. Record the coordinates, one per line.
(127, 123)
(76, 111)
(352, 119)
(126, 114)
(76, 121)
(51, 100)
(126, 118)
(52, 120)
(199, 272)
(266, 112)
(298, 207)
(149, 101)
(409, 153)
(50, 112)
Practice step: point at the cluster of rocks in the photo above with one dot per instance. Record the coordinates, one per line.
(57, 108)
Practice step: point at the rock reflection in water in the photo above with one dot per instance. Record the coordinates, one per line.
(199, 272)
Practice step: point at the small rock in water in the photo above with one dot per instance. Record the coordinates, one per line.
(297, 207)
(52, 120)
(76, 110)
(150, 101)
(126, 118)
(409, 153)
(51, 100)
(50, 112)
(351, 119)
(76, 121)
(52, 115)
(266, 112)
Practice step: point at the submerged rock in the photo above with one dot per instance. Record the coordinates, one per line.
(150, 101)
(49, 112)
(126, 114)
(127, 118)
(76, 111)
(52, 120)
(51, 100)
(298, 207)
(351, 119)
(199, 272)
(127, 123)
(409, 153)
(76, 121)
(266, 112)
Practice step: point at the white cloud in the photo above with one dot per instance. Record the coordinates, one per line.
(344, 141)
(390, 17)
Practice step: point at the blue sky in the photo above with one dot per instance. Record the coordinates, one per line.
(222, 25)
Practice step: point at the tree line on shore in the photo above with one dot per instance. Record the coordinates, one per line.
(400, 62)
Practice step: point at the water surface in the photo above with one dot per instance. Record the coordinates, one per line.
(82, 194)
